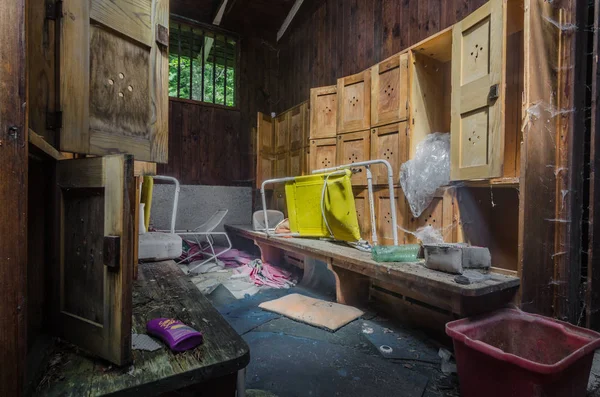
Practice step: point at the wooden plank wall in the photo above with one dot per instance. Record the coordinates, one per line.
(13, 196)
(342, 37)
(213, 145)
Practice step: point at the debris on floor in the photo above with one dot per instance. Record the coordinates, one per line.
(144, 342)
(240, 272)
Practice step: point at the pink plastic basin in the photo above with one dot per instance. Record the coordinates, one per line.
(512, 353)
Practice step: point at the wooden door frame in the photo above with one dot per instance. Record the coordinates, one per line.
(13, 196)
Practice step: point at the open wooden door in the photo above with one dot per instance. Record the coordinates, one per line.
(114, 75)
(93, 274)
(477, 122)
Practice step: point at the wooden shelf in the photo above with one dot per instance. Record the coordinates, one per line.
(509, 182)
(49, 150)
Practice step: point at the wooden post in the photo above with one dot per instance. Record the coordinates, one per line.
(593, 290)
(552, 158)
(13, 196)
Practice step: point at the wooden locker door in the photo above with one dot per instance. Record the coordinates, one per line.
(94, 268)
(114, 78)
(389, 91)
(354, 102)
(354, 148)
(282, 132)
(323, 112)
(296, 116)
(265, 132)
(477, 122)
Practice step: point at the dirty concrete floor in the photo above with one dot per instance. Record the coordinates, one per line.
(289, 358)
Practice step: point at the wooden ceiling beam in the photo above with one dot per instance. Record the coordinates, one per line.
(290, 17)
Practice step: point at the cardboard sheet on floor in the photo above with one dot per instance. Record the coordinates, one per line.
(320, 313)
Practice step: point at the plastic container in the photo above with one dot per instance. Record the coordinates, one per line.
(395, 253)
(512, 353)
(303, 199)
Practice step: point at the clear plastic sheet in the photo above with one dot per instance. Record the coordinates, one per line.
(426, 172)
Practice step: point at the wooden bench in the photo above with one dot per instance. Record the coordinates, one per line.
(357, 275)
(161, 290)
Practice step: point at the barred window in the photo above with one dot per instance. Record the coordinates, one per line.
(203, 63)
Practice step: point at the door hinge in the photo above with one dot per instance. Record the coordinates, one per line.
(54, 10)
(54, 120)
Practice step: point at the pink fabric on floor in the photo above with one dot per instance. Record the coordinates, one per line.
(265, 274)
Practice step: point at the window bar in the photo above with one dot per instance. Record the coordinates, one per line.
(214, 51)
(178, 58)
(203, 67)
(191, 61)
(236, 71)
(225, 82)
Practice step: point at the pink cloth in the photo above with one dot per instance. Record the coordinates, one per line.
(265, 274)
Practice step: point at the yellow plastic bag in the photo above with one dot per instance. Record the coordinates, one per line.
(303, 199)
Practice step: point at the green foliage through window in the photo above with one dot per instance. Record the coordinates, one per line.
(202, 65)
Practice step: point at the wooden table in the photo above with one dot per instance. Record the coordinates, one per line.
(161, 290)
(354, 270)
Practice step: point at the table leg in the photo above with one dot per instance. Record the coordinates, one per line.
(350, 288)
(270, 254)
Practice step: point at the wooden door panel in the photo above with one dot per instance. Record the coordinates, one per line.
(129, 17)
(477, 124)
(114, 78)
(92, 283)
(323, 112)
(354, 102)
(265, 131)
(322, 153)
(389, 91)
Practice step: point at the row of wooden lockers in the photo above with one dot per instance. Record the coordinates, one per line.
(387, 142)
(386, 110)
(442, 214)
(375, 97)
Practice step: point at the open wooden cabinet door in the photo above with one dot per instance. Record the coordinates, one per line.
(477, 122)
(114, 76)
(92, 278)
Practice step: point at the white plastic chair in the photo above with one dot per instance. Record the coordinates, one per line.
(206, 232)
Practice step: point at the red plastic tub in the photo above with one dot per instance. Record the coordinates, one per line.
(512, 353)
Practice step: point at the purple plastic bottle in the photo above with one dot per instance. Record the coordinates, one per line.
(174, 333)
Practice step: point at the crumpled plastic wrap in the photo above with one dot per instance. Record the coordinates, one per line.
(426, 172)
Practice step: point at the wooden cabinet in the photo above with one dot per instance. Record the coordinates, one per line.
(114, 78)
(296, 163)
(383, 216)
(323, 112)
(282, 133)
(430, 87)
(278, 200)
(389, 90)
(265, 132)
(298, 127)
(441, 214)
(485, 77)
(353, 148)
(389, 142)
(322, 153)
(265, 169)
(354, 102)
(281, 164)
(361, 200)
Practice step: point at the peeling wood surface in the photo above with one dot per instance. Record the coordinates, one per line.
(161, 290)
